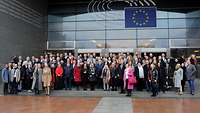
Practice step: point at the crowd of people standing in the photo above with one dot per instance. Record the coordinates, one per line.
(114, 72)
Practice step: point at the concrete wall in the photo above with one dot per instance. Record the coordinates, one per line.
(22, 28)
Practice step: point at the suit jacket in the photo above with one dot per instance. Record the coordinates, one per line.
(191, 72)
(17, 72)
(120, 71)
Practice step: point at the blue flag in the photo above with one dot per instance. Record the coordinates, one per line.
(140, 17)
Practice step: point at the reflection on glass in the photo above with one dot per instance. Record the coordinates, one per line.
(121, 44)
(61, 26)
(177, 33)
(92, 30)
(115, 15)
(90, 44)
(53, 18)
(176, 15)
(177, 23)
(153, 43)
(121, 34)
(182, 43)
(91, 16)
(94, 25)
(59, 44)
(153, 33)
(61, 36)
(90, 35)
(115, 24)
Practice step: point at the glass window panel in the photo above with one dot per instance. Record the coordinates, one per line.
(115, 24)
(193, 23)
(153, 33)
(121, 44)
(162, 14)
(70, 17)
(153, 43)
(90, 44)
(177, 23)
(193, 43)
(61, 26)
(53, 18)
(176, 15)
(61, 36)
(91, 16)
(193, 33)
(60, 44)
(121, 34)
(178, 43)
(162, 23)
(177, 33)
(115, 15)
(90, 35)
(194, 14)
(93, 25)
(182, 43)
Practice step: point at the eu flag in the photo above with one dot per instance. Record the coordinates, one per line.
(140, 17)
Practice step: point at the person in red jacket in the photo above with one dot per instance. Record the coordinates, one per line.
(77, 75)
(59, 74)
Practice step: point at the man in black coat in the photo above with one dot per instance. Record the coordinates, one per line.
(162, 76)
(120, 72)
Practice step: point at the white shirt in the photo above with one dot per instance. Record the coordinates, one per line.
(126, 73)
(141, 72)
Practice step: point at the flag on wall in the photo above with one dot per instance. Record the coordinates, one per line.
(136, 17)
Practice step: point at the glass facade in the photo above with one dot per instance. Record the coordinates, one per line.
(107, 30)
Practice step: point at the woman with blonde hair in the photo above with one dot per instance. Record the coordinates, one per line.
(178, 77)
(46, 78)
(106, 77)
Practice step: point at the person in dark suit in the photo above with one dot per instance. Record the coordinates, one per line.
(84, 76)
(92, 77)
(68, 75)
(120, 72)
(162, 75)
(154, 80)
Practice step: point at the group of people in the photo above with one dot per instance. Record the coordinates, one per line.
(115, 72)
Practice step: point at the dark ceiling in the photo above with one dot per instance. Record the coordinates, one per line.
(82, 5)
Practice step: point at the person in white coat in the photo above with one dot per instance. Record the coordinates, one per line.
(178, 77)
(15, 78)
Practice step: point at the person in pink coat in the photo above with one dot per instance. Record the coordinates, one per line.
(129, 79)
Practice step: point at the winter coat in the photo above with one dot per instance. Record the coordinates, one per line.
(77, 74)
(92, 75)
(46, 77)
(105, 75)
(178, 76)
(130, 72)
(17, 72)
(5, 75)
(37, 74)
(191, 72)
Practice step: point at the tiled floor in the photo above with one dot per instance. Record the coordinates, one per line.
(32, 104)
(19, 104)
(166, 105)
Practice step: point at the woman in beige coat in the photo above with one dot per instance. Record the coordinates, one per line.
(46, 78)
(106, 77)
